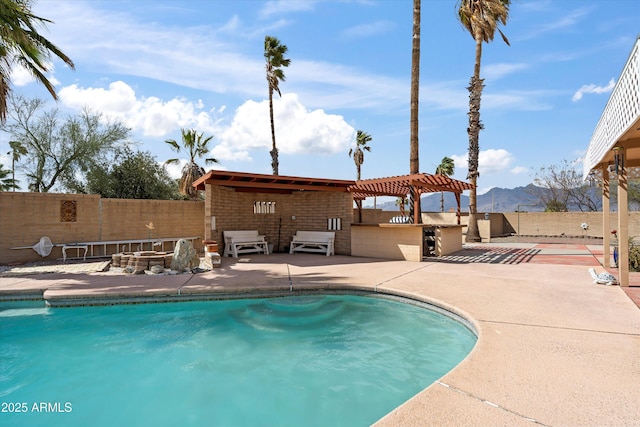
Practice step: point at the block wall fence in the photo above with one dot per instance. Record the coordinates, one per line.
(69, 218)
(523, 223)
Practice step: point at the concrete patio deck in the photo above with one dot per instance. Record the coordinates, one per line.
(554, 349)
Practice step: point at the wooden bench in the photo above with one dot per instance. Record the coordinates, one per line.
(313, 241)
(244, 241)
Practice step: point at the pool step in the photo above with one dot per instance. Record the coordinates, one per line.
(290, 312)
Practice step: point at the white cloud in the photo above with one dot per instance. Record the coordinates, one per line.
(490, 161)
(152, 116)
(175, 169)
(591, 88)
(298, 130)
(20, 76)
(519, 170)
(497, 71)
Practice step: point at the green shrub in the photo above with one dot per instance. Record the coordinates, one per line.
(634, 256)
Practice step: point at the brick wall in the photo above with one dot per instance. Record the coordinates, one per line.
(26, 217)
(235, 211)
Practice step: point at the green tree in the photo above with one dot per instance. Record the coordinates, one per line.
(60, 151)
(6, 182)
(481, 18)
(274, 52)
(414, 156)
(362, 141)
(20, 43)
(446, 168)
(197, 146)
(133, 175)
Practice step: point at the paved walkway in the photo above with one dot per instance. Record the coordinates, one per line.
(554, 349)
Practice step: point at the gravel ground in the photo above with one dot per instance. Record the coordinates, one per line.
(54, 266)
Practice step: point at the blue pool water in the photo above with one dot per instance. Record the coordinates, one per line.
(315, 360)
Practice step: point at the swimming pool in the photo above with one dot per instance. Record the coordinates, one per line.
(312, 360)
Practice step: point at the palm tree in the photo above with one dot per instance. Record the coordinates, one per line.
(362, 139)
(274, 52)
(446, 168)
(196, 144)
(6, 183)
(414, 158)
(18, 150)
(21, 44)
(481, 18)
(401, 202)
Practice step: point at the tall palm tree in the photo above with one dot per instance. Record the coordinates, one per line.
(362, 139)
(446, 168)
(17, 150)
(197, 145)
(414, 158)
(274, 52)
(21, 44)
(481, 18)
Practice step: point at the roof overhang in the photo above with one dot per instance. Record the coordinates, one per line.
(619, 125)
(261, 183)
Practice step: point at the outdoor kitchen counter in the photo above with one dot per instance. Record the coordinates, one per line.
(409, 242)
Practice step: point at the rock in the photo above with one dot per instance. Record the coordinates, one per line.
(184, 256)
(157, 269)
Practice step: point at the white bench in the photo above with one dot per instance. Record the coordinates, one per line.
(244, 241)
(313, 241)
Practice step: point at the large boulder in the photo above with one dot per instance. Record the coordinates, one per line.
(184, 256)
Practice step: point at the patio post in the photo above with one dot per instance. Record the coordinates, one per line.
(606, 220)
(623, 226)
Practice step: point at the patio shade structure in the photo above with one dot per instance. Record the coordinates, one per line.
(281, 184)
(400, 186)
(614, 153)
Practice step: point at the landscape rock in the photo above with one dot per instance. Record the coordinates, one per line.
(185, 256)
(157, 269)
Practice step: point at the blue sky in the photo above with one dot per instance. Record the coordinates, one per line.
(161, 65)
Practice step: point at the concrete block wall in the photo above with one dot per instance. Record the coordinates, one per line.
(566, 223)
(301, 210)
(26, 217)
(387, 242)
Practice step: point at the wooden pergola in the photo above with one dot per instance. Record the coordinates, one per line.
(614, 154)
(401, 186)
